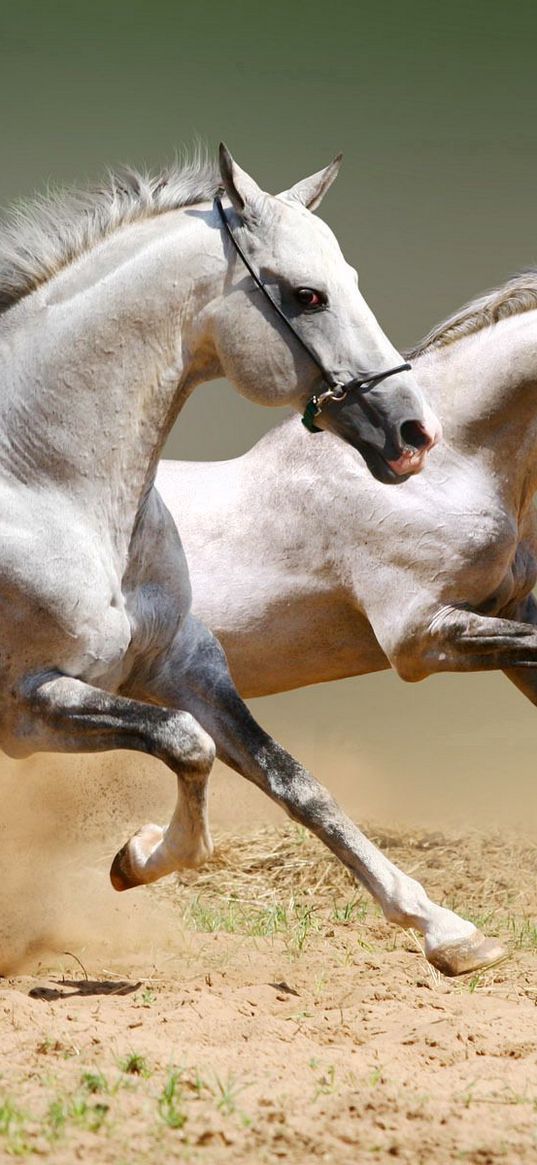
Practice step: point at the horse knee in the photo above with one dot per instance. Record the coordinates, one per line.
(409, 657)
(420, 642)
(187, 745)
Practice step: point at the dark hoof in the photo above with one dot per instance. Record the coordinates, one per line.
(475, 953)
(121, 874)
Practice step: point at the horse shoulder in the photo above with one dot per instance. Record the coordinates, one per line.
(60, 595)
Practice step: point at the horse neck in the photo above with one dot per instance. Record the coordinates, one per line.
(484, 389)
(101, 359)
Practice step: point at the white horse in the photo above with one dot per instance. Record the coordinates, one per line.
(113, 307)
(308, 570)
(333, 575)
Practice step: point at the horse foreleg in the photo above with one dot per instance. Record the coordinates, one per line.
(525, 678)
(195, 674)
(457, 639)
(63, 714)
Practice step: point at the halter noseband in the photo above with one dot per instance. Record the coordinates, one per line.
(335, 390)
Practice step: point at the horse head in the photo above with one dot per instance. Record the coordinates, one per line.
(292, 327)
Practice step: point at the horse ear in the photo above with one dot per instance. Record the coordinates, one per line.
(244, 194)
(311, 191)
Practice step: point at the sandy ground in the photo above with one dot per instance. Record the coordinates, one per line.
(261, 1011)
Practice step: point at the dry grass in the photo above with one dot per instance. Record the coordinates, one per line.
(491, 878)
(270, 863)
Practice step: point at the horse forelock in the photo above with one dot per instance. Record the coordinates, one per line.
(516, 296)
(41, 237)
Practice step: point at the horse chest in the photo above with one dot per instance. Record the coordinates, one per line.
(473, 535)
(60, 602)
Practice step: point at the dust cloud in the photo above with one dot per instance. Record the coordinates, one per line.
(62, 820)
(456, 753)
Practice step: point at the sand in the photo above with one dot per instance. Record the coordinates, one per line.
(260, 1011)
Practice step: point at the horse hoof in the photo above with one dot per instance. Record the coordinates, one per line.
(121, 872)
(475, 953)
(131, 865)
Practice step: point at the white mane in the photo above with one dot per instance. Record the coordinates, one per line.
(39, 238)
(518, 295)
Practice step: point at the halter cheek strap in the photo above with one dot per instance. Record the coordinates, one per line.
(336, 390)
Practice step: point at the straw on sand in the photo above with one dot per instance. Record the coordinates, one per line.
(476, 870)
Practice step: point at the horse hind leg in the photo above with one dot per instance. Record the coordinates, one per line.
(195, 675)
(62, 714)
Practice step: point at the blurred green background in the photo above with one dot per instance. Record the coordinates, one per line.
(434, 107)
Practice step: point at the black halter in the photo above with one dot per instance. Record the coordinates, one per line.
(335, 391)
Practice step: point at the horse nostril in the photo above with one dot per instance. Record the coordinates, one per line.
(414, 435)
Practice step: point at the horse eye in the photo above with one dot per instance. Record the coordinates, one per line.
(308, 297)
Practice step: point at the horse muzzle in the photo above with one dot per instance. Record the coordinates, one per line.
(417, 441)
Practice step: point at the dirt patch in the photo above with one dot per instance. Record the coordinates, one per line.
(262, 1010)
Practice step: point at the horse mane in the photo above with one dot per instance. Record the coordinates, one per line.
(41, 237)
(518, 295)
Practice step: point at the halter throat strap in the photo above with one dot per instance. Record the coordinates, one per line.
(335, 390)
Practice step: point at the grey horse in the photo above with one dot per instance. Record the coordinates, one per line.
(114, 306)
(308, 570)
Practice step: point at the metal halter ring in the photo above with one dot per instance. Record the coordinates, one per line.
(340, 391)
